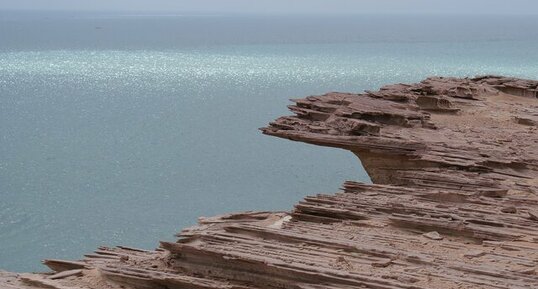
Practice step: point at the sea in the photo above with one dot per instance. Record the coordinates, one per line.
(123, 128)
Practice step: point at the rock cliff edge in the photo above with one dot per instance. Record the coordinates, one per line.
(454, 203)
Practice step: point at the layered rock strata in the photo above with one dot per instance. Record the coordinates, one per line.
(454, 203)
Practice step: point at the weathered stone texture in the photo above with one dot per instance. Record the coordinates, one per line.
(454, 203)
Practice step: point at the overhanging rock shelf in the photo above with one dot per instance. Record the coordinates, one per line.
(454, 203)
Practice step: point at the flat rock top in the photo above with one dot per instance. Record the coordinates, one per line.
(454, 203)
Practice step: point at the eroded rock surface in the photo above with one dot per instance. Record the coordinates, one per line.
(454, 203)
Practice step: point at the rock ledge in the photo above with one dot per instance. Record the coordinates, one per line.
(454, 203)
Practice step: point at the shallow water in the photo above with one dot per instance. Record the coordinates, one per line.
(123, 129)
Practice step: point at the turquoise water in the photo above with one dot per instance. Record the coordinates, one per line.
(123, 129)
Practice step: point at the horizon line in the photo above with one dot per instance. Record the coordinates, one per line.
(270, 13)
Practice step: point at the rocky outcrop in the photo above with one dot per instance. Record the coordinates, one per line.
(442, 130)
(454, 203)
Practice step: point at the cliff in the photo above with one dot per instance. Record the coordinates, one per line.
(454, 203)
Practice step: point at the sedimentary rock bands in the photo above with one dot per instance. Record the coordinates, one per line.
(454, 203)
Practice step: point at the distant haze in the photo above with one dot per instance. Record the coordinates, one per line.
(284, 6)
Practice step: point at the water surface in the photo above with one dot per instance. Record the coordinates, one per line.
(123, 129)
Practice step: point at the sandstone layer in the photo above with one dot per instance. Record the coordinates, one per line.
(454, 203)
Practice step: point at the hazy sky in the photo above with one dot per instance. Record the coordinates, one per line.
(291, 6)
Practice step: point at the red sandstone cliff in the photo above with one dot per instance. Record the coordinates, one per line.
(454, 203)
